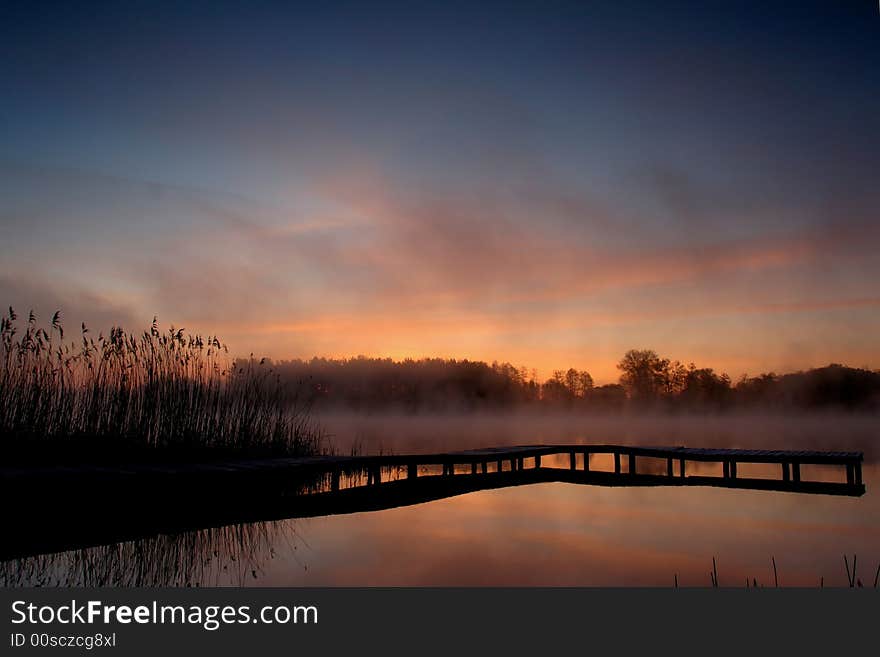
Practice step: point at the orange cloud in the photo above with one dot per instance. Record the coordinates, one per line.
(534, 275)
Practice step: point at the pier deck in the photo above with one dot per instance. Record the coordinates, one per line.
(50, 509)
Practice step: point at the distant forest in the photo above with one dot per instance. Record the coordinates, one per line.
(647, 381)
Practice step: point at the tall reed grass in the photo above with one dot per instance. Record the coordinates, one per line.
(130, 393)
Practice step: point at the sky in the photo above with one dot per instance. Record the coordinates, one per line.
(543, 183)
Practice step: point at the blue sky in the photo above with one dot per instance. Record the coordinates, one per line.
(548, 183)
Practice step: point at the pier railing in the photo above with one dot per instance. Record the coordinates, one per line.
(59, 508)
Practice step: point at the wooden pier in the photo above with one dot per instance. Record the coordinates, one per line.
(56, 508)
(480, 460)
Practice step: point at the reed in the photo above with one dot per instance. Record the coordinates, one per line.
(123, 393)
(850, 576)
(235, 555)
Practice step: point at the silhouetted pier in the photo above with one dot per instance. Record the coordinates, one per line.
(498, 459)
(51, 509)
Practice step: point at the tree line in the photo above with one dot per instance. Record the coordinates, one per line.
(647, 381)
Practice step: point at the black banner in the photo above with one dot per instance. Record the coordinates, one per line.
(466, 621)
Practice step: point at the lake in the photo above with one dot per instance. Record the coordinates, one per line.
(555, 534)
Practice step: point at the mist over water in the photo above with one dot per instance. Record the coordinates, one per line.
(423, 433)
(563, 535)
(543, 534)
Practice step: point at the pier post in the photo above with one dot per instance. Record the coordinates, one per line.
(412, 471)
(500, 465)
(586, 461)
(796, 472)
(681, 468)
(485, 465)
(669, 467)
(334, 480)
(474, 467)
(632, 464)
(519, 463)
(850, 474)
(858, 473)
(537, 461)
(726, 469)
(786, 474)
(733, 469)
(513, 465)
(572, 460)
(617, 462)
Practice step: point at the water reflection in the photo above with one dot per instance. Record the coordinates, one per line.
(558, 534)
(235, 555)
(554, 534)
(541, 534)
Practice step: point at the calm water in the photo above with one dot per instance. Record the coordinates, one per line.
(545, 534)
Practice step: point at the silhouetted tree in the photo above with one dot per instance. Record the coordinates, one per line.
(554, 390)
(610, 397)
(702, 387)
(586, 383)
(644, 374)
(572, 382)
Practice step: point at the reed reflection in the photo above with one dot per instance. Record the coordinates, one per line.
(234, 555)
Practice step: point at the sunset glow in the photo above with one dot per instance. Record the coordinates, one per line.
(548, 190)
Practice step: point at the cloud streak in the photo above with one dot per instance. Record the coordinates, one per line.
(547, 278)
